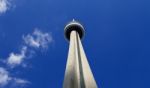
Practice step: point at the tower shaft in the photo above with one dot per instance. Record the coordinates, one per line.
(78, 73)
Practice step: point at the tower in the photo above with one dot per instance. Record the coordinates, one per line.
(78, 73)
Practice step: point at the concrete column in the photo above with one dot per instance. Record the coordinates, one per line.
(78, 73)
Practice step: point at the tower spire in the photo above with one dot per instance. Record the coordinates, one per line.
(73, 20)
(78, 73)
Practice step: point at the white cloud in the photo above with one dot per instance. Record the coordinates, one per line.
(4, 6)
(6, 79)
(21, 81)
(16, 59)
(38, 39)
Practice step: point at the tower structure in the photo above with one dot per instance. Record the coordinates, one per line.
(78, 73)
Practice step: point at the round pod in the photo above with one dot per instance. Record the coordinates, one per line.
(74, 26)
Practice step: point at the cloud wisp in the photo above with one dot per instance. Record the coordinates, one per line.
(37, 40)
(16, 59)
(6, 79)
(4, 6)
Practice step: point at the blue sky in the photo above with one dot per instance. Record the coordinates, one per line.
(33, 51)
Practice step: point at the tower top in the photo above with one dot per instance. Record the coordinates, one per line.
(74, 26)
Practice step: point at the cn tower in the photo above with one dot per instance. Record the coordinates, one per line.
(78, 73)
